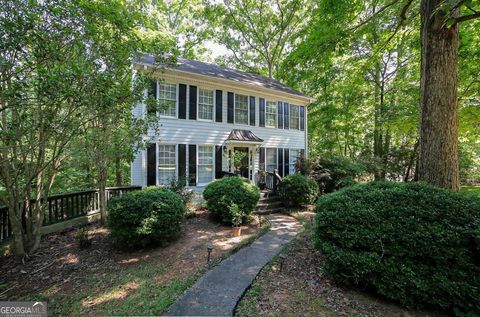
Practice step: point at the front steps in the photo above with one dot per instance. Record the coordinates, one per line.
(269, 203)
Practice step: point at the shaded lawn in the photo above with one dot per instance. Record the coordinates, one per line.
(102, 280)
(471, 189)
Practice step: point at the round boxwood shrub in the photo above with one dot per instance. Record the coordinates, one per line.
(413, 243)
(297, 190)
(146, 217)
(222, 193)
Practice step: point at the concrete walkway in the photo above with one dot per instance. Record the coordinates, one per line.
(217, 292)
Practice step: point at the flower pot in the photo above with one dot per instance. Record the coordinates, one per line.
(236, 231)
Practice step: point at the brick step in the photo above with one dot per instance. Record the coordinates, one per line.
(269, 199)
(269, 211)
(269, 205)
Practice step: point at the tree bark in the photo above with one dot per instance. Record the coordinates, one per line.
(438, 154)
(118, 171)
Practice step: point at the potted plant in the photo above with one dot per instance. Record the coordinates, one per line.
(237, 218)
(261, 180)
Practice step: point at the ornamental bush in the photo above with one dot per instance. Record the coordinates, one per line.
(411, 242)
(297, 190)
(150, 216)
(222, 193)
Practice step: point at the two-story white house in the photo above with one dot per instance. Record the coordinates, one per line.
(212, 112)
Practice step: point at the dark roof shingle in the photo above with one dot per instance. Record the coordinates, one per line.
(201, 68)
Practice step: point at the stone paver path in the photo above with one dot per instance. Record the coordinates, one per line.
(217, 292)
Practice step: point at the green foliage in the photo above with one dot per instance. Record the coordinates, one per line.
(223, 193)
(237, 215)
(146, 217)
(297, 190)
(410, 242)
(331, 173)
(178, 186)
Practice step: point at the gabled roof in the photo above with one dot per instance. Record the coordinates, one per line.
(243, 136)
(201, 68)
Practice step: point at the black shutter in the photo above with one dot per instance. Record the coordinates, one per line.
(152, 93)
(182, 162)
(280, 115)
(302, 118)
(230, 110)
(192, 110)
(302, 153)
(280, 162)
(152, 165)
(252, 110)
(182, 101)
(218, 161)
(286, 162)
(286, 114)
(262, 159)
(218, 106)
(192, 165)
(261, 105)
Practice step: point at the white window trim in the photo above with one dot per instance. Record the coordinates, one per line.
(213, 164)
(235, 108)
(157, 159)
(276, 114)
(176, 100)
(213, 106)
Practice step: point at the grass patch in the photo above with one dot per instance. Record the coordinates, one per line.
(248, 305)
(134, 290)
(473, 189)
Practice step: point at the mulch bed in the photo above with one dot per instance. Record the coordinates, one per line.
(61, 263)
(298, 287)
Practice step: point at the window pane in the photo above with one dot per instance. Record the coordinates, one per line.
(294, 154)
(241, 109)
(205, 164)
(167, 98)
(294, 117)
(271, 114)
(271, 159)
(166, 163)
(205, 104)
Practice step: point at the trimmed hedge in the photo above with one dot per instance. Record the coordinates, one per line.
(150, 216)
(413, 243)
(297, 190)
(222, 193)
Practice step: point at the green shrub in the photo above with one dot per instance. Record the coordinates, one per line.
(223, 193)
(411, 242)
(179, 187)
(146, 217)
(297, 190)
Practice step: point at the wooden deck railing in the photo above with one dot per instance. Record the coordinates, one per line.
(65, 207)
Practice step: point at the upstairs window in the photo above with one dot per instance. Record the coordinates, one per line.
(205, 164)
(167, 97)
(166, 164)
(294, 117)
(271, 114)
(241, 109)
(205, 104)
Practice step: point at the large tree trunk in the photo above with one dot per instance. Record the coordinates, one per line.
(118, 171)
(438, 155)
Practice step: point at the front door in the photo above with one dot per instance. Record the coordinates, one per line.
(243, 164)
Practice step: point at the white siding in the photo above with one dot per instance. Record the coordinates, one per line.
(185, 131)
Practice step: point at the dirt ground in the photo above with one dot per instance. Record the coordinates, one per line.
(59, 269)
(298, 287)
